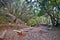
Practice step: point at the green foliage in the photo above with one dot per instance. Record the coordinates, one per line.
(41, 13)
(27, 12)
(31, 22)
(39, 20)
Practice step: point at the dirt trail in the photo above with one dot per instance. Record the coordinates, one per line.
(33, 35)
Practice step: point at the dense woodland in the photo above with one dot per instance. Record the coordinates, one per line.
(18, 14)
(31, 12)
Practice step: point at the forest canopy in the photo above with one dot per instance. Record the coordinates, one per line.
(31, 12)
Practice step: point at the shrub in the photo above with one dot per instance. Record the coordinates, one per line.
(38, 20)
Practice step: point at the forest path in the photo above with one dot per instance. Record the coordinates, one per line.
(38, 33)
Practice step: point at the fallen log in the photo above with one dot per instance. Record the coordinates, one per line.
(24, 31)
(14, 18)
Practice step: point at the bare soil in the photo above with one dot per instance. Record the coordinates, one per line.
(34, 34)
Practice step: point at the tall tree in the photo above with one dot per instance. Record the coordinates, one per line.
(51, 7)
